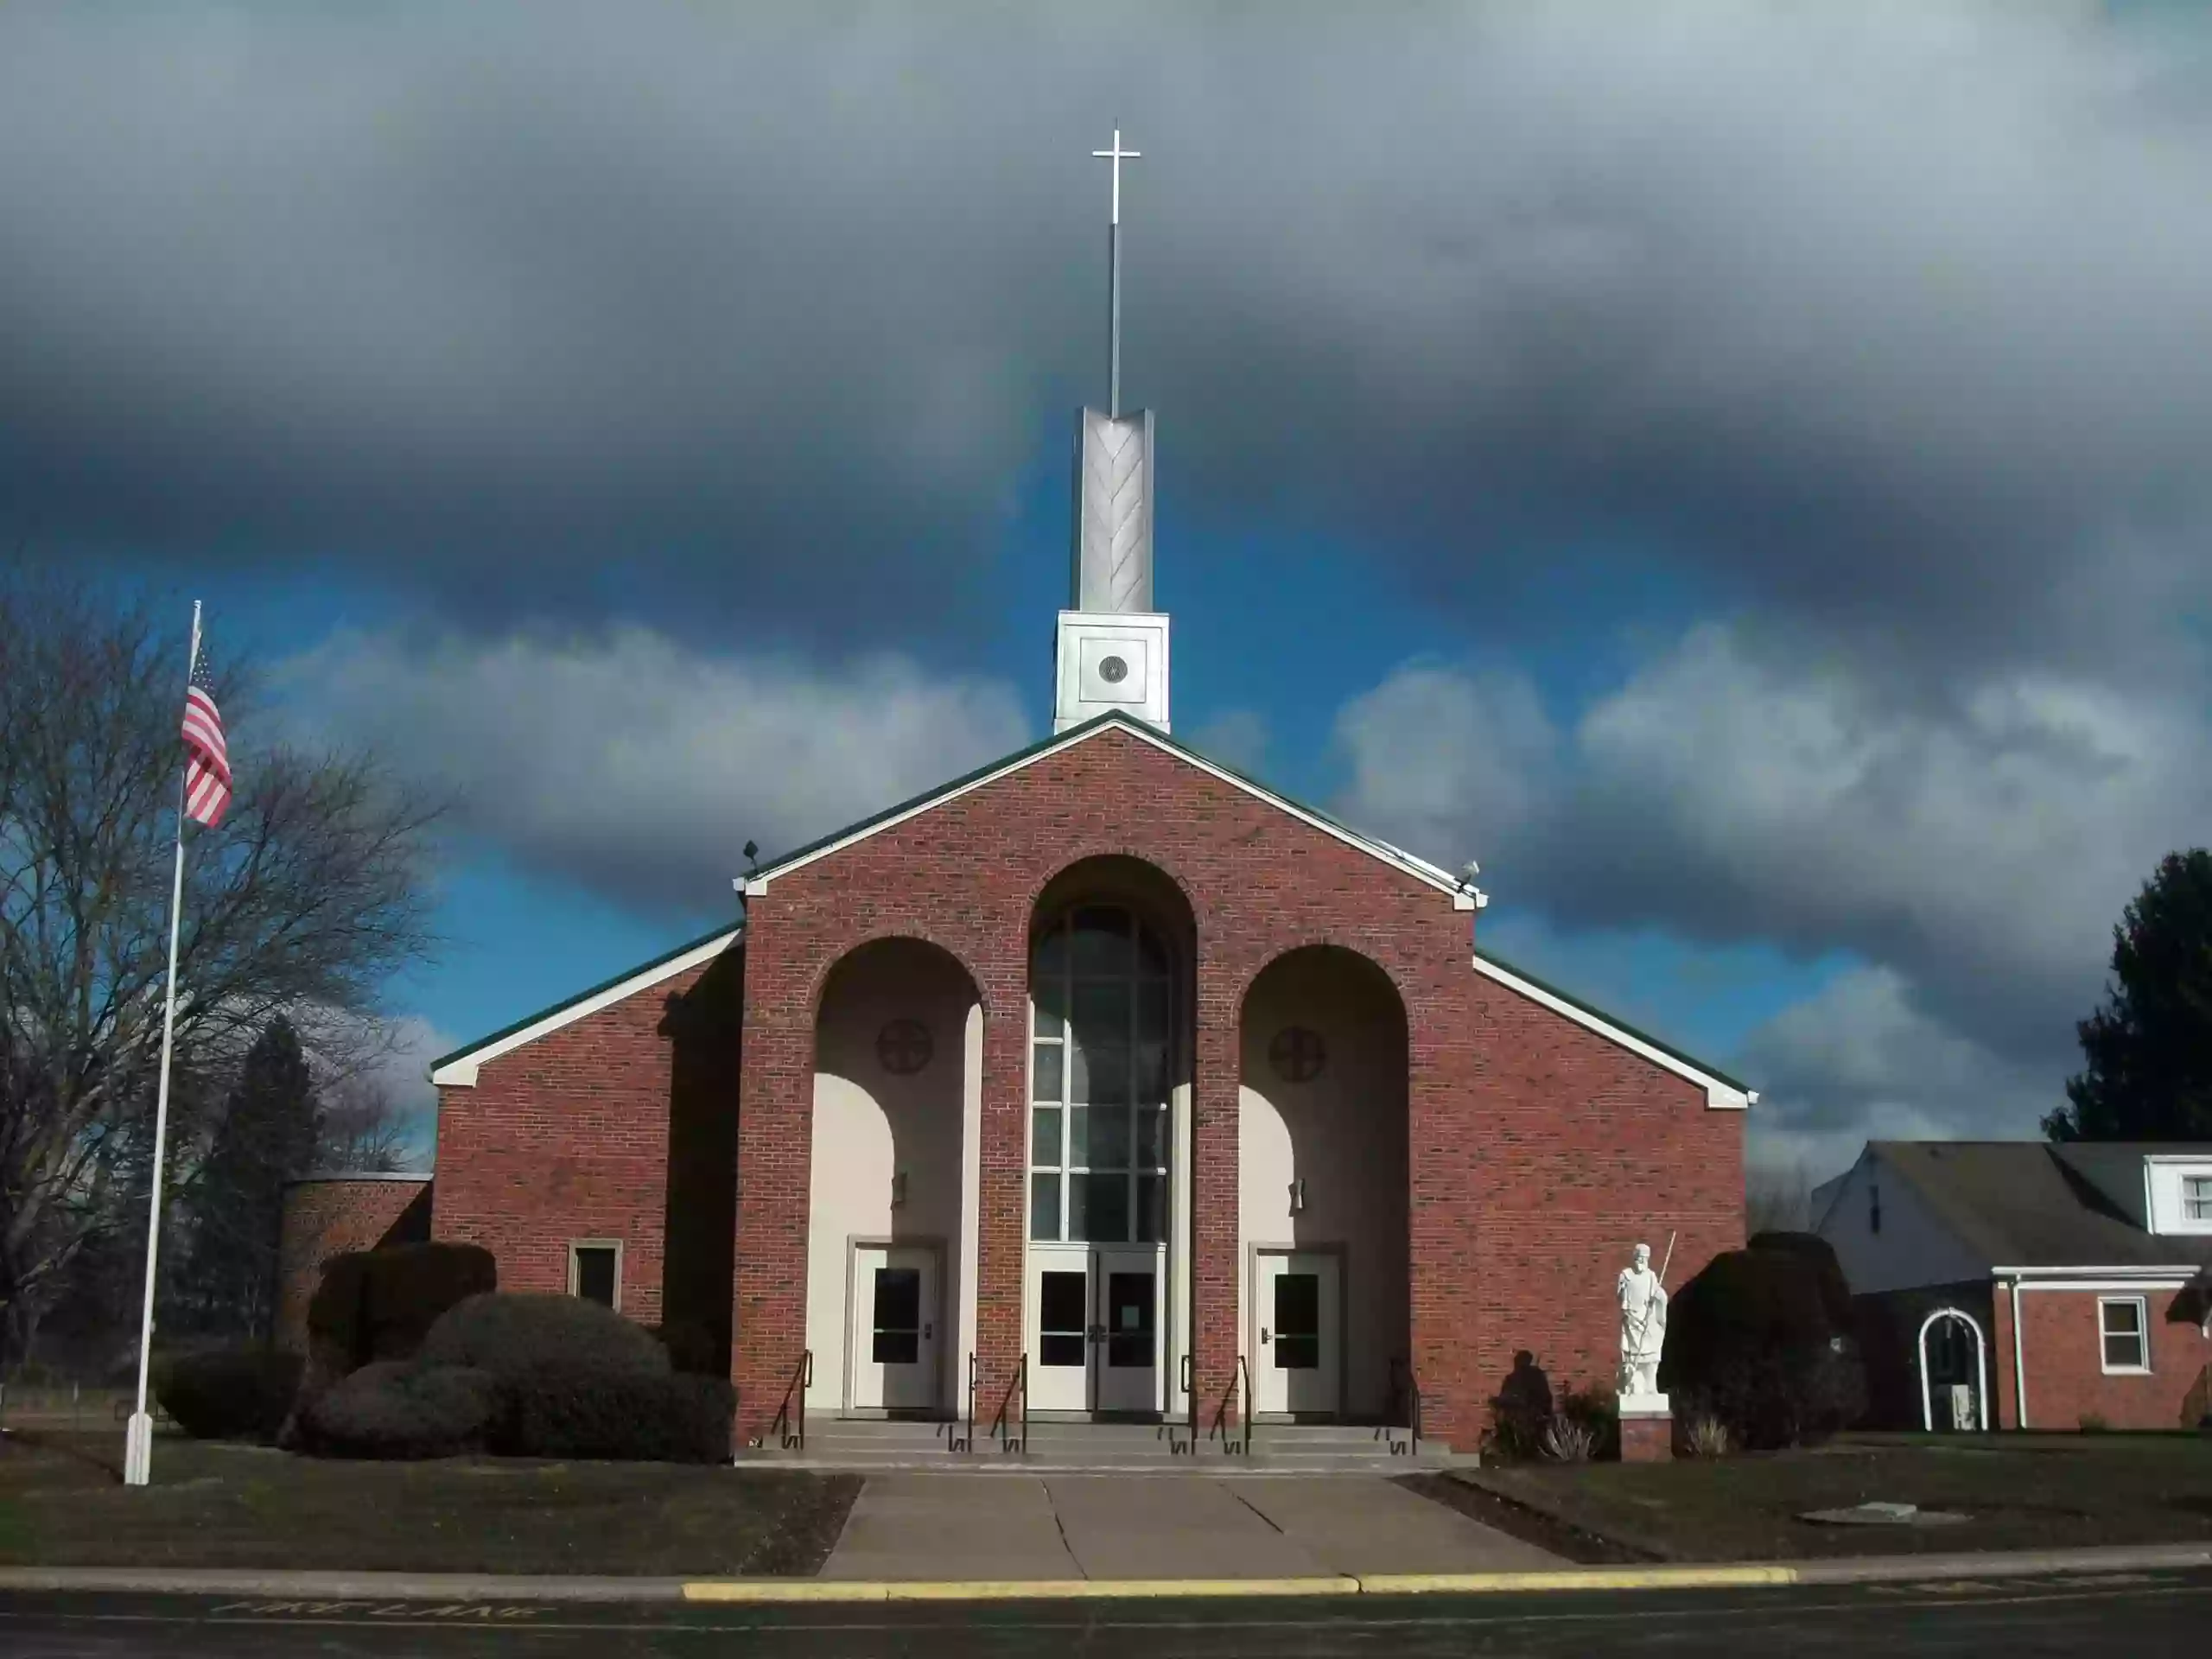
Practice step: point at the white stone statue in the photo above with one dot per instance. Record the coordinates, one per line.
(1643, 1325)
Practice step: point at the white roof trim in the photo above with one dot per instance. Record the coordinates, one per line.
(2179, 1273)
(1420, 868)
(1718, 1096)
(460, 1072)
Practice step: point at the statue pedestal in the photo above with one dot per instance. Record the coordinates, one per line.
(1647, 1428)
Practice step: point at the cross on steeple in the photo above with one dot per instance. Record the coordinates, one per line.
(1115, 158)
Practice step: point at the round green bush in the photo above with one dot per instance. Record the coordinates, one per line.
(585, 1411)
(510, 1334)
(229, 1393)
(395, 1408)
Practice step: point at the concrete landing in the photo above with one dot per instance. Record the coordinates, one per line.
(940, 1527)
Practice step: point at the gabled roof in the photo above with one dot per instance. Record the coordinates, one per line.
(2020, 1204)
(458, 1069)
(1420, 868)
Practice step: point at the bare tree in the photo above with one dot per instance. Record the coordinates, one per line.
(310, 895)
(362, 1128)
(1777, 1200)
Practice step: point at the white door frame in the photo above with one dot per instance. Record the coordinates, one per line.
(1104, 1259)
(854, 1243)
(1342, 1252)
(1095, 1261)
(1980, 1367)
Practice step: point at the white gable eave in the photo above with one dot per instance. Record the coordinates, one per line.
(1721, 1094)
(459, 1069)
(1463, 897)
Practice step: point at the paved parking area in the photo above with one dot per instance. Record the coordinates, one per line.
(969, 1527)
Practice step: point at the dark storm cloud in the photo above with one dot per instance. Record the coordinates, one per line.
(1892, 315)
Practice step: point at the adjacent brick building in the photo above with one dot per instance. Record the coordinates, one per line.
(2057, 1287)
(328, 1214)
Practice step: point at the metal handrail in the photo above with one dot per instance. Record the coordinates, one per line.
(966, 1442)
(1220, 1430)
(1251, 1400)
(999, 1429)
(1189, 1442)
(1408, 1386)
(801, 1380)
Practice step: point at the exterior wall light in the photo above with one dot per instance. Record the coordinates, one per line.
(899, 1190)
(1297, 1196)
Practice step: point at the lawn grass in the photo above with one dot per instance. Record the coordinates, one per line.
(62, 1504)
(2022, 1492)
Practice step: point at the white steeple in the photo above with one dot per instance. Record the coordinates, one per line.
(1112, 646)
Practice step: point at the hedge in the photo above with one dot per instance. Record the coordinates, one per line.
(398, 1409)
(229, 1393)
(585, 1411)
(512, 1335)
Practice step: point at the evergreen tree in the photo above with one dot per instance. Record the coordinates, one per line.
(267, 1137)
(2149, 1048)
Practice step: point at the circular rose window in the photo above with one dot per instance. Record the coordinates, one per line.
(904, 1046)
(1298, 1054)
(1112, 671)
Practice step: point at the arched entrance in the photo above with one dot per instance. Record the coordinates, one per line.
(1953, 1357)
(1322, 1186)
(1106, 1218)
(891, 1234)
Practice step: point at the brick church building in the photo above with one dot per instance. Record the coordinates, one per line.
(1105, 1068)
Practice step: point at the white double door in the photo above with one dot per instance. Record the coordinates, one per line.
(1298, 1312)
(1095, 1327)
(893, 1334)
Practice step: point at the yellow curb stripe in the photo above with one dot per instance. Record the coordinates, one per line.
(834, 1590)
(1602, 1578)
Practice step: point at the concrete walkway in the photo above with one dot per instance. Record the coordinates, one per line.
(958, 1527)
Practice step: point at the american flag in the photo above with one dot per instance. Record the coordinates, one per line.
(207, 760)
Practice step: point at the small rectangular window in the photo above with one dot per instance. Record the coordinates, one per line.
(2123, 1330)
(596, 1273)
(2197, 1197)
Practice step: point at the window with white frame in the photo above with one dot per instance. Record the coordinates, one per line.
(596, 1271)
(2123, 1329)
(1100, 1052)
(2197, 1197)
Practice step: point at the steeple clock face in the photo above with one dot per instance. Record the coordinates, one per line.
(1114, 671)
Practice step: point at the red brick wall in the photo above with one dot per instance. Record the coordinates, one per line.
(567, 1138)
(2063, 1357)
(1539, 1151)
(323, 1218)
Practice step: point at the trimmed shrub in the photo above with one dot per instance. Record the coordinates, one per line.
(373, 1305)
(229, 1393)
(409, 1287)
(693, 1350)
(586, 1411)
(1762, 1340)
(513, 1335)
(394, 1409)
(335, 1311)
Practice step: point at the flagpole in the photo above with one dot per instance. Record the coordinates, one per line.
(138, 1440)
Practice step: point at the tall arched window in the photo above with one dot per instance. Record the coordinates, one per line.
(1100, 1062)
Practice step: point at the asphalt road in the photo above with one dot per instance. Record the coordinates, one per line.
(2138, 1614)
